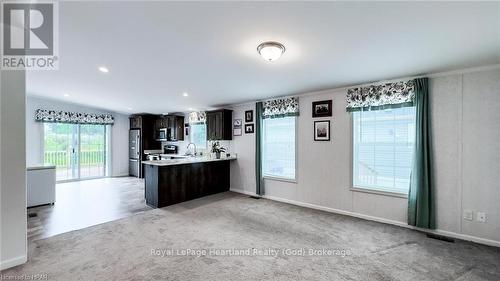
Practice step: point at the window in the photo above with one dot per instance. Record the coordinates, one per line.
(278, 148)
(198, 135)
(383, 149)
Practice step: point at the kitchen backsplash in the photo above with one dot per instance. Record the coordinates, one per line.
(182, 146)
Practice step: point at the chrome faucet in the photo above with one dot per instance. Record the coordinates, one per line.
(191, 153)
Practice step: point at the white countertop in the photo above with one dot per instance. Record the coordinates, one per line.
(174, 155)
(153, 151)
(187, 160)
(40, 167)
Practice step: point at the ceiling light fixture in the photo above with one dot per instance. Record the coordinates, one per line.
(103, 69)
(66, 95)
(185, 94)
(270, 50)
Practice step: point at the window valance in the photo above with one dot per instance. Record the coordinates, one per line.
(197, 117)
(281, 108)
(376, 97)
(44, 115)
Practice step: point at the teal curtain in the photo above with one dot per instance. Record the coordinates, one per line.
(259, 109)
(421, 197)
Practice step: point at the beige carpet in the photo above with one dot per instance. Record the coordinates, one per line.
(235, 224)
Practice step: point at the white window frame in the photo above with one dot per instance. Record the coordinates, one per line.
(361, 189)
(278, 178)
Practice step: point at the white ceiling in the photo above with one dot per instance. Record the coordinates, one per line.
(157, 50)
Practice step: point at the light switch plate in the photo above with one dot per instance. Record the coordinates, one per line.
(468, 215)
(481, 216)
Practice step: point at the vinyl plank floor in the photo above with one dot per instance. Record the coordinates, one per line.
(86, 203)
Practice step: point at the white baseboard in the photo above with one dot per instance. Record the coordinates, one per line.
(244, 192)
(13, 262)
(120, 176)
(465, 237)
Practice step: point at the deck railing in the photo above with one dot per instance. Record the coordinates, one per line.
(63, 158)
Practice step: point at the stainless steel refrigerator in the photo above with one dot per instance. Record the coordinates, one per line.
(134, 153)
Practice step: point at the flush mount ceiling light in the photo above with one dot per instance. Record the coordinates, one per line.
(270, 50)
(103, 69)
(185, 94)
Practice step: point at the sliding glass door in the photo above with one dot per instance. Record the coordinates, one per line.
(60, 147)
(77, 151)
(92, 158)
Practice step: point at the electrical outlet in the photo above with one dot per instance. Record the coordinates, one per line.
(481, 216)
(468, 215)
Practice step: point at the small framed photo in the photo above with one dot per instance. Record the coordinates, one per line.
(249, 128)
(322, 130)
(249, 116)
(237, 127)
(322, 108)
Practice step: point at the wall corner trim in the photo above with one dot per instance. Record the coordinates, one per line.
(13, 262)
(460, 236)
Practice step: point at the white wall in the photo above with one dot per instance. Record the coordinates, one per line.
(12, 169)
(119, 145)
(34, 133)
(465, 112)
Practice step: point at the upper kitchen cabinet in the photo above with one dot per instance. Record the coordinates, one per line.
(219, 124)
(177, 125)
(146, 123)
(174, 125)
(161, 122)
(135, 122)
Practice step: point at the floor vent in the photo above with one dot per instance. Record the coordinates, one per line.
(440, 237)
(32, 215)
(255, 197)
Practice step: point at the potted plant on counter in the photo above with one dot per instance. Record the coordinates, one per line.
(217, 149)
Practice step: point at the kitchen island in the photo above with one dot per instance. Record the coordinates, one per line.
(173, 181)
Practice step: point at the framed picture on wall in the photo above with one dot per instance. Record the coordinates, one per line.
(322, 108)
(322, 130)
(249, 116)
(249, 128)
(237, 123)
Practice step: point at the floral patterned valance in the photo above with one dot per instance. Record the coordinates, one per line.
(44, 115)
(376, 97)
(197, 117)
(281, 108)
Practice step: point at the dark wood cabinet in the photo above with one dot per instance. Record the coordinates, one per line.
(161, 123)
(219, 124)
(176, 123)
(135, 122)
(167, 185)
(145, 123)
(173, 122)
(148, 133)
